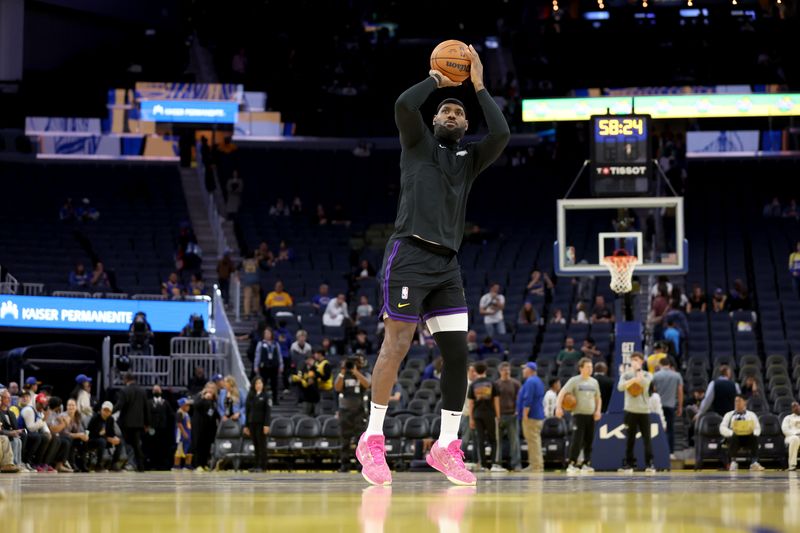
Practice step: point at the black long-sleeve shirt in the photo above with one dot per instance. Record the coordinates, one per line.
(435, 178)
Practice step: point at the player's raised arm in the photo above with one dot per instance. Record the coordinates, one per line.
(406, 109)
(491, 146)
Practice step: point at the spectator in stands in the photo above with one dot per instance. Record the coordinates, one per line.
(86, 211)
(605, 382)
(351, 384)
(399, 395)
(794, 268)
(82, 394)
(590, 350)
(258, 421)
(60, 442)
(719, 302)
(296, 209)
(183, 435)
(698, 302)
(587, 411)
(489, 347)
(140, 335)
(484, 412)
(172, 287)
(134, 416)
(75, 429)
(320, 218)
(306, 380)
(364, 309)
(196, 328)
(558, 317)
(269, 362)
(741, 429)
(13, 389)
(278, 297)
(328, 348)
(658, 307)
(660, 351)
(672, 335)
(791, 430)
(280, 209)
(750, 388)
(265, 258)
(739, 297)
(568, 353)
(508, 390)
(472, 341)
(34, 421)
(791, 210)
(336, 313)
(580, 314)
(102, 436)
(198, 380)
(250, 287)
(491, 307)
(527, 315)
(365, 270)
(67, 211)
(235, 187)
(324, 371)
(300, 348)
(197, 286)
(225, 269)
(7, 465)
(11, 420)
(678, 301)
(285, 253)
(31, 387)
(600, 311)
(433, 370)
(538, 284)
(161, 437)
(320, 301)
(773, 209)
(79, 278)
(362, 345)
(204, 426)
(550, 397)
(9, 428)
(99, 277)
(720, 394)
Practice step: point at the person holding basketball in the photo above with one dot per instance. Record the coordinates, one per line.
(586, 411)
(420, 276)
(635, 383)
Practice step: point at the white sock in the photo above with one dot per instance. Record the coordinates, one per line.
(376, 415)
(451, 421)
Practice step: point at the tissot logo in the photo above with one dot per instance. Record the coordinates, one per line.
(619, 432)
(622, 171)
(9, 308)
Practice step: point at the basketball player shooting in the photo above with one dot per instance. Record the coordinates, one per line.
(420, 276)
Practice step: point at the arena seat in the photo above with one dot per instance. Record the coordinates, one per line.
(228, 445)
(555, 441)
(708, 441)
(771, 446)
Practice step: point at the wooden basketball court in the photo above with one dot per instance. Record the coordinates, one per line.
(188, 502)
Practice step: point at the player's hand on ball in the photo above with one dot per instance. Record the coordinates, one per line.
(442, 80)
(475, 69)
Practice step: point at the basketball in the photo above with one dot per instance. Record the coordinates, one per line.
(451, 58)
(635, 390)
(569, 402)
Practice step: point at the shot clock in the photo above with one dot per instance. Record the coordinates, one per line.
(620, 154)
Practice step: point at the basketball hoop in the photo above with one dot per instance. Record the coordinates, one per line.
(621, 266)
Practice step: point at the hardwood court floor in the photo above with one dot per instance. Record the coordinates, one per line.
(706, 502)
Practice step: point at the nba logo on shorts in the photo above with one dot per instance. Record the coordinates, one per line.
(404, 293)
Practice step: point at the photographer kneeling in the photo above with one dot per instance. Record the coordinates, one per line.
(140, 335)
(351, 384)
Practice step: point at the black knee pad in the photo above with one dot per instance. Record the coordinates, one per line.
(453, 345)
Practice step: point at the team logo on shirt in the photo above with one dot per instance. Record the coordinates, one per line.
(404, 293)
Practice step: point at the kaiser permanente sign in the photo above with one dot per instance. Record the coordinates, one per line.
(97, 314)
(195, 111)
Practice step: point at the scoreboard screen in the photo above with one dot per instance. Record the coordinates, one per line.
(620, 154)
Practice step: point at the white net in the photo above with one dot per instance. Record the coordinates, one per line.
(621, 268)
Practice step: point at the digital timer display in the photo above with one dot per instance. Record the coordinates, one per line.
(620, 154)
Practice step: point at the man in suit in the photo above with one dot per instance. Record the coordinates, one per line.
(134, 416)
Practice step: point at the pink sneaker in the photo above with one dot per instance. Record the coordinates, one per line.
(371, 453)
(450, 462)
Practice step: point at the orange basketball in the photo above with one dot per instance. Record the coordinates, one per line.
(635, 389)
(451, 58)
(569, 402)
